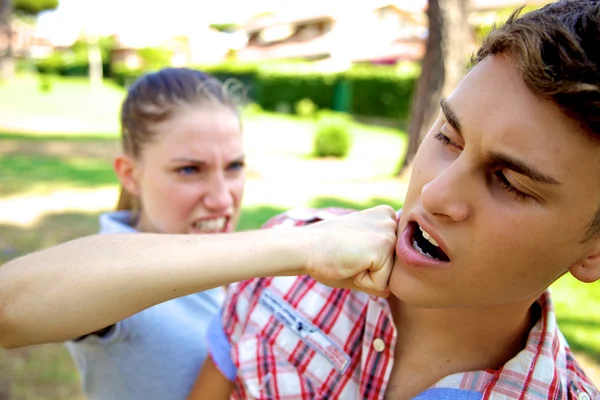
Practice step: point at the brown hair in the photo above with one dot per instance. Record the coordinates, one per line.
(156, 97)
(556, 50)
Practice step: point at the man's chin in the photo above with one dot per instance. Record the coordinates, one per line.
(405, 290)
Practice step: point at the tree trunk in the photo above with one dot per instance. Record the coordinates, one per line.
(7, 64)
(95, 61)
(442, 68)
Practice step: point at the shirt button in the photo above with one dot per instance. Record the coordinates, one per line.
(583, 396)
(379, 346)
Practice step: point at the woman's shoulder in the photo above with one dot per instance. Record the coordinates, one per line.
(117, 222)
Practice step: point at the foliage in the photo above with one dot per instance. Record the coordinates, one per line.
(366, 90)
(74, 61)
(45, 85)
(33, 7)
(225, 27)
(154, 58)
(482, 30)
(278, 86)
(381, 91)
(305, 108)
(332, 137)
(251, 109)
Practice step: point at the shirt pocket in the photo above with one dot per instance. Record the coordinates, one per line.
(283, 367)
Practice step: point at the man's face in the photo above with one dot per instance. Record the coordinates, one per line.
(507, 185)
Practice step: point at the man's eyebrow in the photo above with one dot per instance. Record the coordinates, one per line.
(188, 160)
(450, 116)
(198, 161)
(505, 161)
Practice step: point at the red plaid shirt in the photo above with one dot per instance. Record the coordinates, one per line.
(293, 338)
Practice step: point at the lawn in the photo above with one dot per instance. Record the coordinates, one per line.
(71, 107)
(54, 184)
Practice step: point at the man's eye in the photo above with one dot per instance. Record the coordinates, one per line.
(445, 140)
(506, 185)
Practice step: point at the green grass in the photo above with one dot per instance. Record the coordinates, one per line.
(70, 99)
(375, 151)
(577, 307)
(41, 137)
(42, 174)
(38, 373)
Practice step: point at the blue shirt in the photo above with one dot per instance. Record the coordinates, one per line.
(155, 354)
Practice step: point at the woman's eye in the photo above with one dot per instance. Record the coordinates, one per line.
(187, 170)
(236, 166)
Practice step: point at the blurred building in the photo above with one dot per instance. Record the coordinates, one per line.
(331, 33)
(383, 33)
(369, 31)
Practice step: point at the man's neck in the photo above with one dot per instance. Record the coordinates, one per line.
(435, 343)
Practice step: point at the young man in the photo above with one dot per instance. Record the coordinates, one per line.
(504, 199)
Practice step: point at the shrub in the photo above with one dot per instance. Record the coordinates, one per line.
(45, 83)
(332, 138)
(252, 109)
(305, 108)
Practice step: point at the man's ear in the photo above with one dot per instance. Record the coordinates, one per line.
(126, 170)
(587, 269)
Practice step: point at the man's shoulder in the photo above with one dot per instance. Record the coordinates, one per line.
(546, 366)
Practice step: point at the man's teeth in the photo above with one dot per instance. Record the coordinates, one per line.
(211, 225)
(428, 237)
(416, 247)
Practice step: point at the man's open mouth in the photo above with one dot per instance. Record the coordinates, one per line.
(426, 245)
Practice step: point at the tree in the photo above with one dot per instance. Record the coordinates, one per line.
(6, 62)
(442, 67)
(22, 8)
(225, 27)
(32, 8)
(94, 60)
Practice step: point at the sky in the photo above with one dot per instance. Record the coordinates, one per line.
(143, 17)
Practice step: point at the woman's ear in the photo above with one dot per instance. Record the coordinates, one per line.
(126, 169)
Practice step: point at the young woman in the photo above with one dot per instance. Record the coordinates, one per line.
(134, 308)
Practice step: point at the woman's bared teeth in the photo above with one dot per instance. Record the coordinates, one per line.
(211, 225)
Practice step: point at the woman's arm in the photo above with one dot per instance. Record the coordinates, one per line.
(211, 384)
(87, 284)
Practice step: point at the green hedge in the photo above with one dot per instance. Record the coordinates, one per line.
(74, 61)
(124, 76)
(381, 91)
(366, 90)
(67, 65)
(277, 88)
(243, 73)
